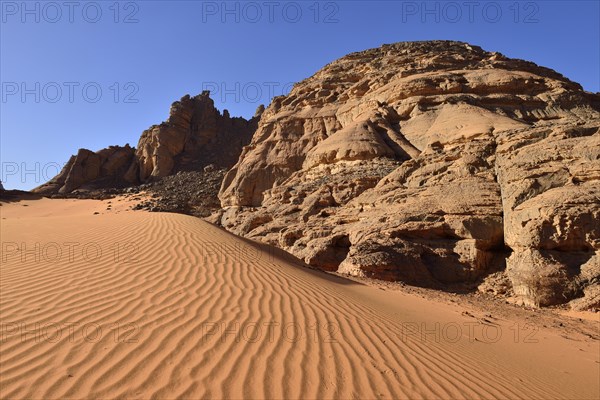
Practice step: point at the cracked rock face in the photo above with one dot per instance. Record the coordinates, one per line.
(433, 163)
(550, 180)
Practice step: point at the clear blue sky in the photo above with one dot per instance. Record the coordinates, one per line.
(154, 52)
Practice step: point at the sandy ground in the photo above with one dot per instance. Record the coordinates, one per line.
(100, 302)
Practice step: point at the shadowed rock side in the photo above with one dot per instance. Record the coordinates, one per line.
(195, 135)
(433, 163)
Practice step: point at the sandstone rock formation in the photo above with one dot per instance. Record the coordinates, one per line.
(434, 163)
(195, 135)
(114, 166)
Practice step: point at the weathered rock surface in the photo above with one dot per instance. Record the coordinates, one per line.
(434, 163)
(195, 135)
(550, 179)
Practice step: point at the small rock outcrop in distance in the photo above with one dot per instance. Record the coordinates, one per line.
(195, 135)
(434, 163)
(112, 167)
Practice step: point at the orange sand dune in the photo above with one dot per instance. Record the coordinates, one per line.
(127, 304)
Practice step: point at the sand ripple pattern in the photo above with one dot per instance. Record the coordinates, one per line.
(176, 308)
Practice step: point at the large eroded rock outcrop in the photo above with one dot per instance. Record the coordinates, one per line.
(195, 135)
(434, 163)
